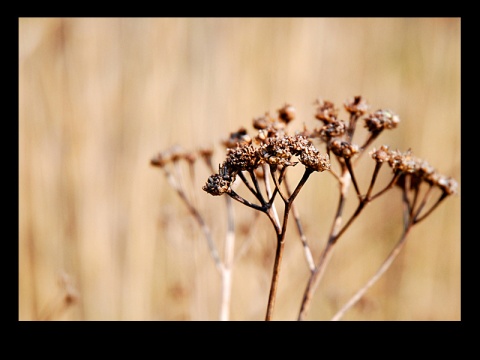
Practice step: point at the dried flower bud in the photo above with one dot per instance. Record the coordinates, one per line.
(276, 151)
(380, 155)
(286, 113)
(163, 158)
(158, 160)
(343, 148)
(381, 119)
(326, 111)
(240, 137)
(242, 158)
(206, 152)
(216, 185)
(336, 128)
(356, 106)
(263, 122)
(220, 183)
(315, 161)
(447, 184)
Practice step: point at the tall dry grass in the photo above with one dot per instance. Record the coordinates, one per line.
(99, 96)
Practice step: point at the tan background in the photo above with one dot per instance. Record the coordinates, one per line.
(99, 97)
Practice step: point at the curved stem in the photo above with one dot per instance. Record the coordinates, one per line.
(381, 270)
(196, 215)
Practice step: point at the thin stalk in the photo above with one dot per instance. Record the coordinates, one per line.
(303, 238)
(240, 199)
(281, 245)
(250, 236)
(266, 171)
(352, 175)
(417, 219)
(325, 256)
(252, 190)
(196, 215)
(381, 270)
(227, 263)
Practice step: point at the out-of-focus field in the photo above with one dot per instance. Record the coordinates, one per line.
(99, 97)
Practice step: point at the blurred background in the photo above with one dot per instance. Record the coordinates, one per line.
(102, 235)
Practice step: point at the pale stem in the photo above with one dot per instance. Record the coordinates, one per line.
(196, 215)
(228, 262)
(382, 269)
(317, 274)
(301, 233)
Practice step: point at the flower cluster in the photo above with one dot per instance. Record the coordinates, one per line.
(174, 154)
(274, 151)
(381, 119)
(419, 169)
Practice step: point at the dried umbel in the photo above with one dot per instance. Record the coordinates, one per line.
(263, 160)
(343, 149)
(239, 137)
(220, 183)
(242, 158)
(419, 170)
(326, 111)
(380, 120)
(356, 106)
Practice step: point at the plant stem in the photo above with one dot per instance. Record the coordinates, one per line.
(301, 233)
(281, 245)
(381, 270)
(227, 263)
(319, 270)
(196, 215)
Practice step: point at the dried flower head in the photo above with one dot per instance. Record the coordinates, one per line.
(312, 159)
(267, 122)
(447, 184)
(243, 157)
(286, 113)
(418, 169)
(335, 128)
(381, 119)
(173, 154)
(356, 106)
(381, 155)
(238, 137)
(218, 184)
(326, 111)
(276, 151)
(343, 148)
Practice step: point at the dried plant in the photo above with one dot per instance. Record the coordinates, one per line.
(260, 165)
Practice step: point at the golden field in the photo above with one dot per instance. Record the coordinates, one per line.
(99, 97)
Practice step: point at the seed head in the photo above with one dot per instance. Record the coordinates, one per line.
(356, 106)
(381, 155)
(447, 184)
(343, 148)
(220, 183)
(243, 157)
(286, 113)
(238, 137)
(381, 119)
(418, 169)
(326, 111)
(335, 128)
(276, 151)
(312, 159)
(173, 154)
